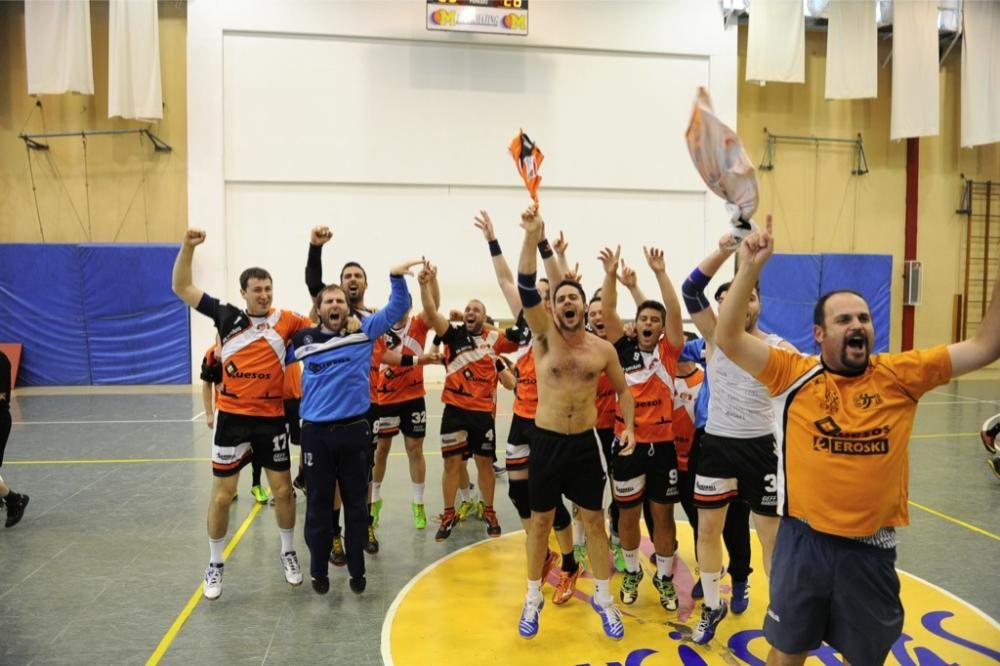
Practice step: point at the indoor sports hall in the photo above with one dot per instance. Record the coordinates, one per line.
(150, 152)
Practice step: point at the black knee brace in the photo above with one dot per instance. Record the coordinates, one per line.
(562, 519)
(517, 490)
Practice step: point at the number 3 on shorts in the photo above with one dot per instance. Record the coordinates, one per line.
(418, 418)
(770, 483)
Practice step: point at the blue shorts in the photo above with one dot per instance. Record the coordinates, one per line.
(833, 589)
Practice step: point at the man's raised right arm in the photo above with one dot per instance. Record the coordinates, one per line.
(318, 237)
(181, 281)
(505, 278)
(427, 279)
(527, 266)
(693, 289)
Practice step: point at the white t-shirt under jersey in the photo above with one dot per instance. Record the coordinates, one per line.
(738, 405)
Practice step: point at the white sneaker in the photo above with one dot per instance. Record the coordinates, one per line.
(293, 572)
(213, 581)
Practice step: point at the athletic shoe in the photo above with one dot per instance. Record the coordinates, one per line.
(704, 631)
(991, 428)
(376, 509)
(448, 521)
(580, 553)
(992, 463)
(492, 524)
(619, 557)
(299, 482)
(741, 597)
(527, 627)
(567, 586)
(262, 495)
(371, 547)
(419, 516)
(668, 594)
(697, 592)
(212, 588)
(481, 510)
(293, 572)
(16, 503)
(465, 508)
(611, 620)
(338, 556)
(321, 585)
(499, 469)
(358, 584)
(552, 560)
(629, 591)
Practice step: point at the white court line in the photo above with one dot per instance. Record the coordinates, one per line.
(197, 416)
(40, 567)
(968, 399)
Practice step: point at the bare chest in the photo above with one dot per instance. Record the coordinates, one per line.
(570, 366)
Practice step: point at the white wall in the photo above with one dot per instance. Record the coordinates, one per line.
(352, 114)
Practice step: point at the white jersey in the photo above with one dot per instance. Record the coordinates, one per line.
(738, 405)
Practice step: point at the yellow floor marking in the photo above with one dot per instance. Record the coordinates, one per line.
(952, 519)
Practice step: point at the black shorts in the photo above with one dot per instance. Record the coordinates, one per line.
(607, 437)
(570, 465)
(833, 589)
(409, 416)
(649, 471)
(729, 467)
(5, 425)
(293, 421)
(467, 433)
(240, 439)
(371, 417)
(522, 430)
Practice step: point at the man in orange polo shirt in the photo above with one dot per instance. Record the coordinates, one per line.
(843, 424)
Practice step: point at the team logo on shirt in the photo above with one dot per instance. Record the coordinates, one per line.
(866, 400)
(874, 442)
(827, 426)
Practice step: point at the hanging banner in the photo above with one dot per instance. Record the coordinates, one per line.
(527, 160)
(498, 17)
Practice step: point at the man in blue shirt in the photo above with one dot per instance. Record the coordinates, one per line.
(336, 440)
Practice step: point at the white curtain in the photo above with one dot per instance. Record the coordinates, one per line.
(134, 88)
(981, 74)
(57, 45)
(776, 46)
(851, 50)
(915, 86)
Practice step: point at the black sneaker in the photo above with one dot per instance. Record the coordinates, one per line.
(358, 584)
(371, 547)
(448, 521)
(299, 483)
(16, 504)
(321, 585)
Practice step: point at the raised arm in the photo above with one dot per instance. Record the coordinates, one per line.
(181, 281)
(674, 325)
(731, 337)
(630, 281)
(616, 376)
(505, 278)
(427, 279)
(693, 289)
(984, 347)
(381, 321)
(318, 237)
(536, 315)
(550, 262)
(561, 262)
(613, 327)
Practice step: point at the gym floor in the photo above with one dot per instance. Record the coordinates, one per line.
(107, 563)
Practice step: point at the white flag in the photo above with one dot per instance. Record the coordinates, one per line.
(134, 87)
(57, 45)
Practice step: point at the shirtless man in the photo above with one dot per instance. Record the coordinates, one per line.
(566, 454)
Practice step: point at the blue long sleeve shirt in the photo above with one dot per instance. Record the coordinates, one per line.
(335, 366)
(694, 351)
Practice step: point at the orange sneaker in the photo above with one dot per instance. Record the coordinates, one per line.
(552, 561)
(567, 585)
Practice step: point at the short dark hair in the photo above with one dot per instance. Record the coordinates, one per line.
(651, 305)
(724, 287)
(253, 272)
(819, 312)
(690, 336)
(329, 287)
(572, 283)
(353, 264)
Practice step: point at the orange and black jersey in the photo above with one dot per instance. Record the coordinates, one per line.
(253, 356)
(402, 383)
(526, 391)
(470, 367)
(843, 440)
(650, 378)
(607, 403)
(686, 390)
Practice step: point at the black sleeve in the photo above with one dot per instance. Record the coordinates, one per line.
(211, 372)
(314, 270)
(4, 380)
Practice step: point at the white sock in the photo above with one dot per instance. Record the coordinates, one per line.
(614, 540)
(664, 565)
(710, 584)
(418, 493)
(463, 494)
(376, 491)
(579, 536)
(216, 546)
(632, 560)
(602, 592)
(535, 590)
(287, 540)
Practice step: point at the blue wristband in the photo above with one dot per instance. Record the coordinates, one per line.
(693, 291)
(528, 291)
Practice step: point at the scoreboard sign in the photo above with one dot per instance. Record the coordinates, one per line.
(501, 17)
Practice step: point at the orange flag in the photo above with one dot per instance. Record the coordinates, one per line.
(527, 159)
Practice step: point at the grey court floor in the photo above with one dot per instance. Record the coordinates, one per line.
(113, 546)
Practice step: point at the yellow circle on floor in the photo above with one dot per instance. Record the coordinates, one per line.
(464, 609)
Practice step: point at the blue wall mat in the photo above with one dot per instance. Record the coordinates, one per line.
(789, 287)
(41, 306)
(137, 327)
(871, 276)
